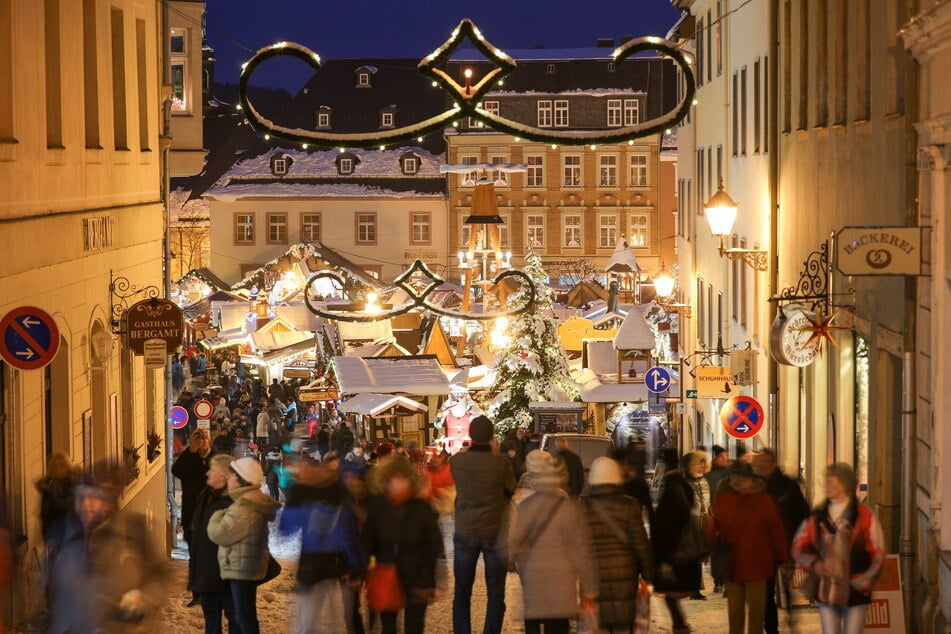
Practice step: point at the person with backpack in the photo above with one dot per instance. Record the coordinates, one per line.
(842, 547)
(332, 560)
(622, 551)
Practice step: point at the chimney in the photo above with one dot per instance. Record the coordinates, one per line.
(605, 42)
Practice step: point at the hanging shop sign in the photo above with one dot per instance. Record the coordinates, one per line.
(790, 342)
(743, 366)
(315, 396)
(879, 250)
(154, 319)
(296, 373)
(715, 381)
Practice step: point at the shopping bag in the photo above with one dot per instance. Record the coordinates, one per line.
(588, 621)
(384, 591)
(642, 609)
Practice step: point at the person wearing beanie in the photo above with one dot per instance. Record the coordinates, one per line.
(484, 483)
(241, 532)
(720, 470)
(622, 551)
(550, 543)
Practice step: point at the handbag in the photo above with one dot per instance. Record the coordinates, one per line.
(273, 570)
(384, 590)
(538, 533)
(692, 546)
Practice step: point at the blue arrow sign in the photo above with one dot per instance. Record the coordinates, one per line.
(29, 338)
(657, 379)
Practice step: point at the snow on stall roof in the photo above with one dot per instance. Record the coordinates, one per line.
(237, 191)
(299, 316)
(373, 404)
(277, 339)
(602, 390)
(229, 315)
(375, 331)
(419, 376)
(622, 260)
(635, 333)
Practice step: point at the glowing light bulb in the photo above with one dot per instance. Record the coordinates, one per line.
(267, 137)
(468, 73)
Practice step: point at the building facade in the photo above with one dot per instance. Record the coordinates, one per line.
(80, 203)
(572, 204)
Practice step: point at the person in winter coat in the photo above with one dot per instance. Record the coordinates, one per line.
(841, 543)
(56, 495)
(191, 467)
(747, 524)
(401, 529)
(666, 463)
(106, 578)
(550, 545)
(793, 509)
(484, 483)
(178, 375)
(622, 551)
(241, 534)
(573, 466)
(262, 425)
(695, 469)
(675, 580)
(204, 574)
(332, 559)
(342, 439)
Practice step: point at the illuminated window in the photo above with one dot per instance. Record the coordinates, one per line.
(572, 231)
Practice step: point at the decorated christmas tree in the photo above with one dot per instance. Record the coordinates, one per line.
(532, 366)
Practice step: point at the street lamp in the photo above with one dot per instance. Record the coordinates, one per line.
(101, 344)
(664, 284)
(720, 212)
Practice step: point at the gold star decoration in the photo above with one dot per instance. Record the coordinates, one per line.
(821, 327)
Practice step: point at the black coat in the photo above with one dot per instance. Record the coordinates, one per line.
(406, 535)
(789, 499)
(638, 489)
(192, 470)
(575, 469)
(670, 519)
(204, 575)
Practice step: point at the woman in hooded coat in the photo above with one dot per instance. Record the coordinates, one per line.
(204, 573)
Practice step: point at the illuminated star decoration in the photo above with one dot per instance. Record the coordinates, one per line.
(821, 328)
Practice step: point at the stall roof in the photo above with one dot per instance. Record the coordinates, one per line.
(299, 316)
(419, 376)
(635, 333)
(274, 340)
(203, 305)
(371, 404)
(603, 390)
(375, 331)
(224, 339)
(286, 353)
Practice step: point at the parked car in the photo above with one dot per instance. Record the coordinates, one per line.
(588, 446)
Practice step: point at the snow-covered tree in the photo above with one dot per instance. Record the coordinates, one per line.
(533, 366)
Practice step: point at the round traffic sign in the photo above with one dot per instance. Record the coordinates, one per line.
(29, 338)
(178, 416)
(657, 379)
(742, 417)
(203, 409)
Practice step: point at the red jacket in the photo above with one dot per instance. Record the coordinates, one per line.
(745, 518)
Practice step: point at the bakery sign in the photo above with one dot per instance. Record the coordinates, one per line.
(154, 319)
(790, 343)
(879, 250)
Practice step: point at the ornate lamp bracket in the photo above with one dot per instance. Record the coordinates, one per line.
(754, 258)
(121, 290)
(815, 285)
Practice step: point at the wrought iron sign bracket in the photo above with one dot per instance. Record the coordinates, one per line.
(815, 284)
(121, 290)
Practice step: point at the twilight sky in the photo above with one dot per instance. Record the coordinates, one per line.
(412, 28)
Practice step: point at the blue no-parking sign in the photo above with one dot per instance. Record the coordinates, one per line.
(657, 379)
(179, 416)
(29, 338)
(742, 416)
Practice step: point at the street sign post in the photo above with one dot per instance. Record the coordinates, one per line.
(715, 381)
(203, 409)
(179, 416)
(29, 338)
(742, 417)
(691, 393)
(657, 379)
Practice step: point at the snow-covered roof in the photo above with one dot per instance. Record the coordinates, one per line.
(635, 333)
(277, 339)
(375, 331)
(229, 315)
(299, 316)
(223, 339)
(419, 376)
(622, 260)
(236, 191)
(604, 390)
(373, 404)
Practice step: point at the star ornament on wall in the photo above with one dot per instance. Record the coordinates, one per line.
(821, 327)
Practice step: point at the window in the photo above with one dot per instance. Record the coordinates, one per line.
(743, 111)
(366, 228)
(631, 112)
(54, 82)
(572, 171)
(822, 63)
(719, 164)
(276, 228)
(323, 119)
(614, 113)
(410, 165)
(6, 79)
(804, 45)
(701, 62)
(863, 59)
(345, 165)
(607, 171)
(535, 175)
(310, 227)
(244, 229)
(498, 176)
(611, 67)
(465, 234)
(142, 80)
(535, 231)
(719, 35)
(607, 232)
(504, 233)
(178, 87)
(420, 223)
(469, 178)
(572, 226)
(280, 166)
(180, 101)
(386, 119)
(550, 69)
(561, 114)
(701, 184)
(701, 312)
(841, 80)
(639, 175)
(766, 104)
(177, 41)
(736, 114)
(491, 107)
(639, 228)
(787, 66)
(757, 116)
(544, 114)
(363, 79)
(708, 38)
(119, 114)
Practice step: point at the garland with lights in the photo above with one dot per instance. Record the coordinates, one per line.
(466, 99)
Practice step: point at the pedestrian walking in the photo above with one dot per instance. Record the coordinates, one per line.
(842, 546)
(204, 573)
(622, 551)
(332, 559)
(484, 483)
(719, 469)
(241, 534)
(191, 467)
(178, 375)
(401, 529)
(701, 510)
(550, 546)
(666, 463)
(56, 498)
(678, 572)
(750, 533)
(793, 509)
(573, 466)
(262, 424)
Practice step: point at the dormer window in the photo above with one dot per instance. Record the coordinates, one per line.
(611, 67)
(363, 79)
(346, 163)
(364, 73)
(386, 119)
(280, 164)
(410, 163)
(551, 69)
(323, 117)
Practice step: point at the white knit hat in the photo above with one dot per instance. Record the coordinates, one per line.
(249, 469)
(605, 470)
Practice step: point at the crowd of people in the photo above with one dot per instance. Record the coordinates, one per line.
(585, 546)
